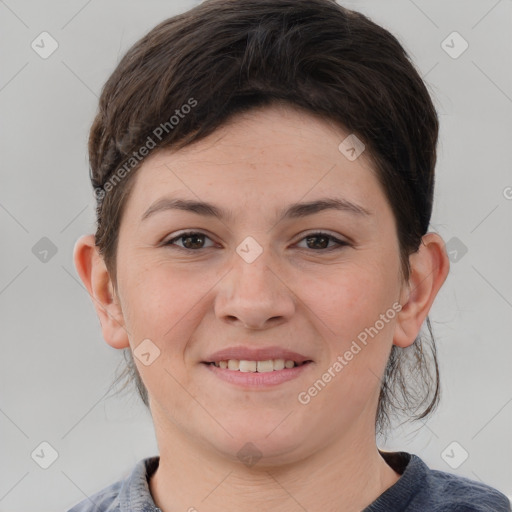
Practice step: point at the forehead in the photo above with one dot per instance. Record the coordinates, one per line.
(273, 154)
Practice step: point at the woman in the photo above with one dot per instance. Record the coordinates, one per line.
(264, 171)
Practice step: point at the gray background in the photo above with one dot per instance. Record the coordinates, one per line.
(55, 368)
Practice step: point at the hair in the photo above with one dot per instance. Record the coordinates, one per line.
(226, 57)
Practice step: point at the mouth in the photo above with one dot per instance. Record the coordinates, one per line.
(253, 366)
(257, 368)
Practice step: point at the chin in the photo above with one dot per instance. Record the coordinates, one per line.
(257, 445)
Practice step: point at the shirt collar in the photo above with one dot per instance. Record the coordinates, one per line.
(135, 495)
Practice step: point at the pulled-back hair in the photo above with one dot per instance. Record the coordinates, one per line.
(194, 71)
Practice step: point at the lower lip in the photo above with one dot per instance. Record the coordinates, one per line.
(256, 379)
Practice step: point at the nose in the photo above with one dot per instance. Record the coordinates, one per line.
(255, 295)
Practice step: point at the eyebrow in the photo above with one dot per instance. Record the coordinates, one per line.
(292, 211)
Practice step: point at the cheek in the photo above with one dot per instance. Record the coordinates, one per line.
(167, 304)
(165, 307)
(158, 303)
(364, 316)
(350, 305)
(348, 300)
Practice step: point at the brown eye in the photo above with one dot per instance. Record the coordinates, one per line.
(195, 240)
(319, 241)
(191, 240)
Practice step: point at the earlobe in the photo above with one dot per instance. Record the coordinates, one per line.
(429, 268)
(94, 274)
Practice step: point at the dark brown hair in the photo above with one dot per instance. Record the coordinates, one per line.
(226, 57)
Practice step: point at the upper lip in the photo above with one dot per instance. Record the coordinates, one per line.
(259, 354)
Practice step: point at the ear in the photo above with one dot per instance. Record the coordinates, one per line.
(93, 273)
(429, 268)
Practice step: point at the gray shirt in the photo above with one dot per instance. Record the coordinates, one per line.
(419, 489)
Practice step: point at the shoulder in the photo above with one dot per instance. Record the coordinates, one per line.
(460, 494)
(124, 495)
(421, 489)
(106, 500)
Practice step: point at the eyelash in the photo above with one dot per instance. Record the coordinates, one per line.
(315, 234)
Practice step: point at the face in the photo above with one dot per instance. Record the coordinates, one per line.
(257, 284)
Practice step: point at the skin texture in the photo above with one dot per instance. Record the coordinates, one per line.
(314, 301)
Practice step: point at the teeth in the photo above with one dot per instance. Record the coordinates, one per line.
(265, 366)
(278, 364)
(233, 364)
(243, 365)
(247, 366)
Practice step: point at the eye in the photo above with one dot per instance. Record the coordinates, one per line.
(320, 240)
(192, 240)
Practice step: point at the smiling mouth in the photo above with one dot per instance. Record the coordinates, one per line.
(250, 366)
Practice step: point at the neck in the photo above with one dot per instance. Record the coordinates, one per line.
(346, 475)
